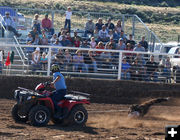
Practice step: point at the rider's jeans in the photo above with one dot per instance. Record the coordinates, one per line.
(57, 96)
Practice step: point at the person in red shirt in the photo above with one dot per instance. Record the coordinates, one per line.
(99, 46)
(77, 42)
(47, 24)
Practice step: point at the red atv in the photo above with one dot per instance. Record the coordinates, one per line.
(38, 108)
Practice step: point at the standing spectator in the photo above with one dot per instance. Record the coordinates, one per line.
(89, 28)
(103, 34)
(99, 24)
(47, 24)
(151, 70)
(9, 25)
(121, 45)
(93, 43)
(144, 43)
(67, 60)
(36, 23)
(36, 59)
(68, 15)
(90, 62)
(43, 61)
(78, 61)
(1, 61)
(136, 70)
(131, 41)
(118, 27)
(110, 25)
(166, 64)
(125, 70)
(53, 38)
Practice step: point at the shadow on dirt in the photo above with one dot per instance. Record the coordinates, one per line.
(85, 129)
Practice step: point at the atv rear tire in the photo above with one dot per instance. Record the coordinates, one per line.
(77, 116)
(39, 115)
(16, 116)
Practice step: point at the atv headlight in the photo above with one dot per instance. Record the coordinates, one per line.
(29, 98)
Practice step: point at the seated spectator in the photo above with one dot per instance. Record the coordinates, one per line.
(57, 44)
(36, 23)
(68, 37)
(115, 36)
(112, 42)
(44, 61)
(151, 70)
(65, 42)
(139, 48)
(9, 25)
(1, 60)
(123, 36)
(89, 28)
(166, 65)
(93, 43)
(90, 62)
(99, 24)
(110, 25)
(67, 60)
(129, 56)
(125, 70)
(37, 40)
(99, 46)
(76, 36)
(53, 38)
(85, 44)
(36, 59)
(77, 42)
(136, 70)
(118, 27)
(78, 62)
(144, 43)
(63, 33)
(111, 33)
(47, 24)
(121, 45)
(44, 40)
(59, 58)
(131, 41)
(29, 41)
(103, 34)
(34, 32)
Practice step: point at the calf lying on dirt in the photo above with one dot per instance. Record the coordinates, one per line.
(142, 109)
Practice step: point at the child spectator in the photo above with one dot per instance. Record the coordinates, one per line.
(53, 38)
(125, 70)
(47, 24)
(93, 43)
(96, 34)
(99, 46)
(36, 23)
(43, 61)
(68, 15)
(44, 40)
(36, 59)
(29, 39)
(78, 60)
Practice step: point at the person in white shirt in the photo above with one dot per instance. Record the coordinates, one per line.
(1, 61)
(103, 34)
(68, 15)
(9, 25)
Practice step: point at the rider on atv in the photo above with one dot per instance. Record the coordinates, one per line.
(60, 86)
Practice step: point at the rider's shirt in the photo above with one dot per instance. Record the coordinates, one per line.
(60, 84)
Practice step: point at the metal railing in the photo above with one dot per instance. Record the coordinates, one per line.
(106, 64)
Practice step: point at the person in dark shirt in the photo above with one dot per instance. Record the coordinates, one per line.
(131, 41)
(109, 25)
(144, 43)
(99, 24)
(151, 70)
(90, 62)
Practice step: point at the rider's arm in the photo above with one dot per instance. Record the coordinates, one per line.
(57, 79)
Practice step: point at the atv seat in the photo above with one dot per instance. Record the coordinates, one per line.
(68, 97)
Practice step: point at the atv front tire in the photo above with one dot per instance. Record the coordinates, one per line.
(16, 116)
(39, 115)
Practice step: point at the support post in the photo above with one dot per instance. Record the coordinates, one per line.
(133, 25)
(49, 62)
(123, 19)
(120, 65)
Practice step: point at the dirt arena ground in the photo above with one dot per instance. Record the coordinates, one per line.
(101, 125)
